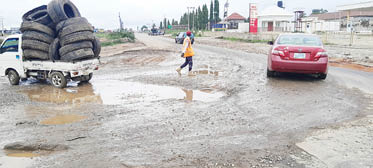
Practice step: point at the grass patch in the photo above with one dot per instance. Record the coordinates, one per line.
(114, 38)
(242, 40)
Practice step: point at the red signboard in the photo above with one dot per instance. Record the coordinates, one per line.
(253, 18)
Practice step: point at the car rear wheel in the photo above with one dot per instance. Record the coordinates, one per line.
(323, 76)
(13, 77)
(270, 74)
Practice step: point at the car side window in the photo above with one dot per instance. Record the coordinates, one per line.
(10, 45)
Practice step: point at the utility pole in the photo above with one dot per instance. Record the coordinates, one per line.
(120, 23)
(190, 8)
(226, 6)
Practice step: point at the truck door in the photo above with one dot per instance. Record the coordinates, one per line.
(10, 56)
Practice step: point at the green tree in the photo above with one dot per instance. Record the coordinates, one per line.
(164, 23)
(211, 13)
(168, 23)
(160, 25)
(217, 11)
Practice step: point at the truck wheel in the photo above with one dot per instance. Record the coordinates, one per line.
(96, 47)
(75, 46)
(35, 54)
(53, 53)
(35, 45)
(77, 37)
(58, 80)
(71, 21)
(88, 78)
(78, 55)
(13, 77)
(34, 35)
(60, 10)
(75, 28)
(34, 26)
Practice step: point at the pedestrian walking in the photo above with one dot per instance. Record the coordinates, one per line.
(188, 54)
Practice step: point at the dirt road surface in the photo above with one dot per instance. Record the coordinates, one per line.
(137, 112)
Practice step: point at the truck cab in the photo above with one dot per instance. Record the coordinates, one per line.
(15, 67)
(11, 56)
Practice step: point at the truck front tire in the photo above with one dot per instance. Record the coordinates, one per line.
(13, 77)
(58, 80)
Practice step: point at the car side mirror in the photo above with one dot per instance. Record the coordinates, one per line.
(1, 50)
(270, 42)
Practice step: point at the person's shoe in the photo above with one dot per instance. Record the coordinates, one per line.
(190, 73)
(178, 70)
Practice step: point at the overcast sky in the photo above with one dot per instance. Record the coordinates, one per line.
(104, 13)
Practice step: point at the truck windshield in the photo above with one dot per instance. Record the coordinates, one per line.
(10, 45)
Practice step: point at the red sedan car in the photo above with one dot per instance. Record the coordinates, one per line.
(298, 53)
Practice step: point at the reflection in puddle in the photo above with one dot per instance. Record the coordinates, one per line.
(75, 96)
(206, 72)
(119, 92)
(111, 93)
(63, 119)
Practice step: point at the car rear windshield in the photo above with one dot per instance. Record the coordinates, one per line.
(303, 40)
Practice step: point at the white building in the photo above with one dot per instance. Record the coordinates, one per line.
(275, 19)
(314, 24)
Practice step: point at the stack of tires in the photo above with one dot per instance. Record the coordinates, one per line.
(58, 32)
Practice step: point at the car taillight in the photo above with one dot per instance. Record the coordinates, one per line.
(278, 53)
(321, 54)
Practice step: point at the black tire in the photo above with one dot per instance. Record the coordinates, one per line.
(71, 21)
(75, 46)
(60, 10)
(35, 55)
(27, 15)
(96, 47)
(34, 35)
(13, 77)
(39, 15)
(58, 80)
(34, 26)
(270, 74)
(54, 50)
(77, 37)
(87, 78)
(35, 45)
(323, 76)
(81, 54)
(75, 28)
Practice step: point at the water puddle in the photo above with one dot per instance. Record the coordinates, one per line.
(73, 95)
(206, 72)
(63, 119)
(15, 162)
(119, 92)
(112, 92)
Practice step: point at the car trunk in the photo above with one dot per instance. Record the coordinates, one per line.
(300, 53)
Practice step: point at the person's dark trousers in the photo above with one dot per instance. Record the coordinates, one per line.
(188, 60)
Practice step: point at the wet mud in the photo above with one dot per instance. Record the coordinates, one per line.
(138, 112)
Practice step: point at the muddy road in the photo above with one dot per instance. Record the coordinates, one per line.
(138, 112)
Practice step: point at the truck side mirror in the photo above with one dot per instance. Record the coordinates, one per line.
(1, 50)
(270, 42)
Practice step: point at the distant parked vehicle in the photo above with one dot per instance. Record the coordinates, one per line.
(298, 53)
(156, 32)
(179, 39)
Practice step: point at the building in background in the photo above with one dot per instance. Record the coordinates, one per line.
(360, 20)
(275, 19)
(234, 19)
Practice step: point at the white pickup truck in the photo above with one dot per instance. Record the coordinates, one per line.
(59, 73)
